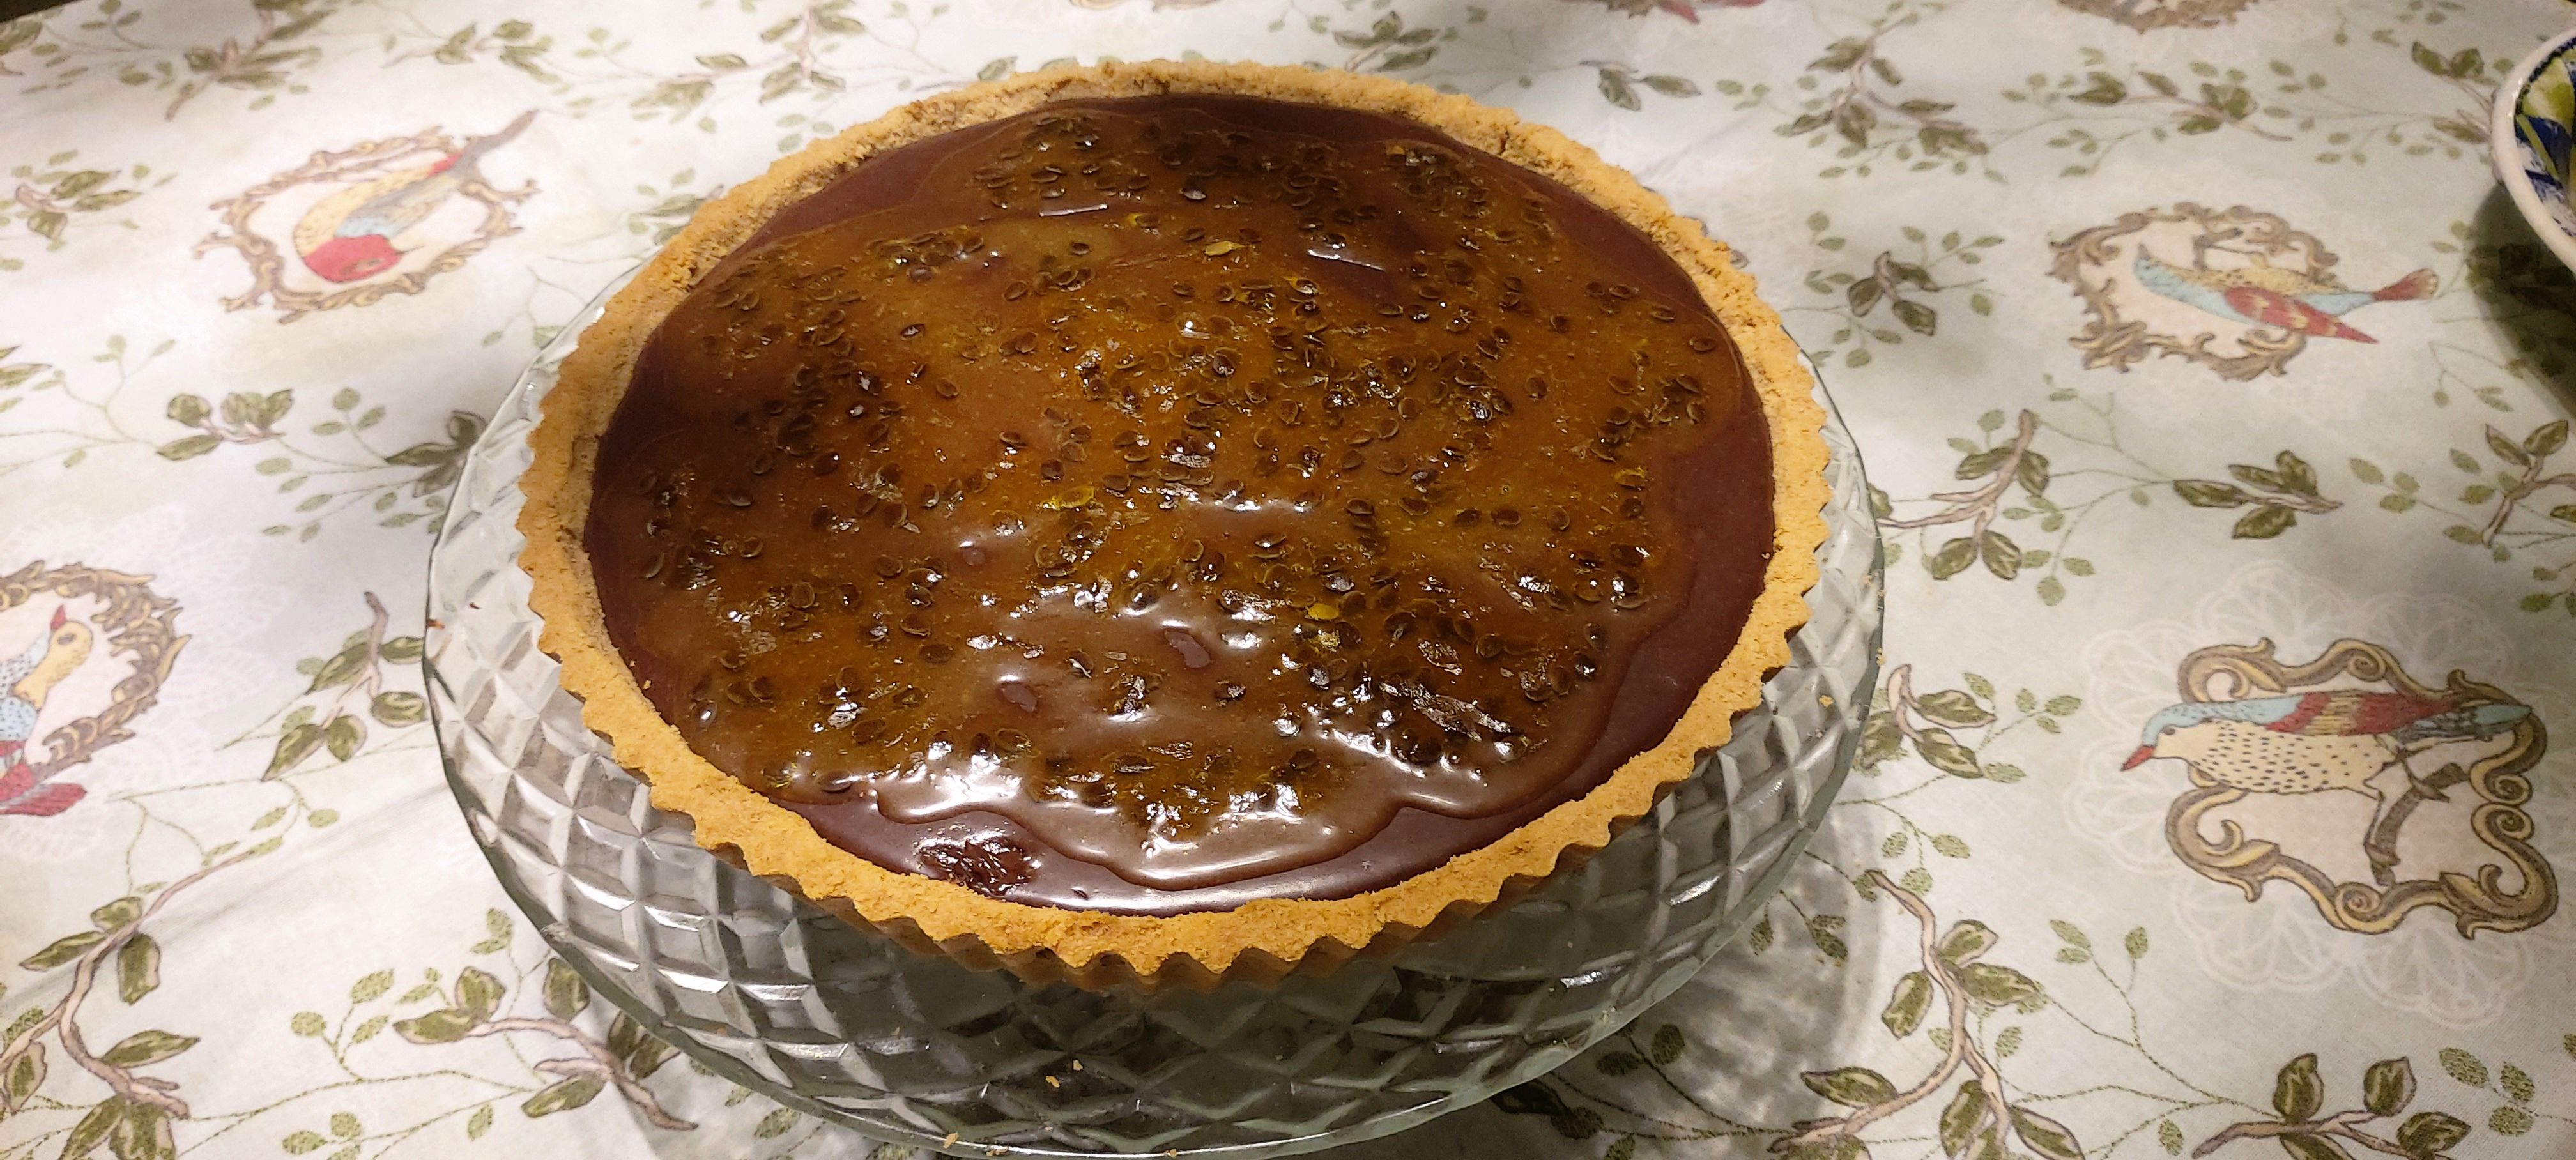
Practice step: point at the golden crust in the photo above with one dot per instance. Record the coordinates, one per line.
(1262, 940)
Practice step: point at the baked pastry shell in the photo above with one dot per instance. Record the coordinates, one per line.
(1260, 941)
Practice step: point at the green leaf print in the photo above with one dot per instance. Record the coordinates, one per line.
(2428, 1133)
(93, 1128)
(118, 914)
(371, 987)
(2277, 495)
(138, 968)
(2264, 523)
(498, 924)
(1905, 1008)
(26, 1074)
(189, 447)
(294, 744)
(147, 1047)
(1997, 985)
(566, 994)
(2308, 1146)
(478, 993)
(144, 1134)
(445, 1025)
(2045, 1136)
(1667, 1045)
(2516, 1083)
(1966, 940)
(2297, 1092)
(1946, 754)
(1953, 707)
(2209, 494)
(398, 708)
(1852, 1087)
(2388, 1086)
(62, 950)
(1616, 90)
(1531, 1099)
(344, 736)
(1959, 1119)
(564, 1095)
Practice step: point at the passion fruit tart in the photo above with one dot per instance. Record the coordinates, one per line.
(1173, 522)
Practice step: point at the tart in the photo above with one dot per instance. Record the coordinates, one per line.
(1174, 522)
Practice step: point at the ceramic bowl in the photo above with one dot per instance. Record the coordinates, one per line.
(2533, 128)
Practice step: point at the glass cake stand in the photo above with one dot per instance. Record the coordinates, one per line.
(841, 1023)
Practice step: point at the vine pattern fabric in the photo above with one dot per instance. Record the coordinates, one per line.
(2215, 398)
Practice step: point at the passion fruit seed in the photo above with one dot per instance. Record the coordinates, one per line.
(1319, 504)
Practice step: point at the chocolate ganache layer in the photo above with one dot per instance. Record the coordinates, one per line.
(1153, 504)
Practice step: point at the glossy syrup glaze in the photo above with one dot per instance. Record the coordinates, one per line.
(1153, 504)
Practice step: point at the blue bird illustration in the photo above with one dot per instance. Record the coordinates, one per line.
(2267, 295)
(2319, 741)
(2310, 742)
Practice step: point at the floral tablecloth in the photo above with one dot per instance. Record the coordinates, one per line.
(2216, 399)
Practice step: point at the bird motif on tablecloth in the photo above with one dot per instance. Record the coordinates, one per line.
(2268, 295)
(1686, 9)
(26, 680)
(350, 234)
(2312, 742)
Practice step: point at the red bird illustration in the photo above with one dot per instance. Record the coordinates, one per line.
(2340, 739)
(1686, 9)
(25, 681)
(2308, 742)
(350, 234)
(2266, 295)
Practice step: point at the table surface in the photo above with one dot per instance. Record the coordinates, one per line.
(2193, 348)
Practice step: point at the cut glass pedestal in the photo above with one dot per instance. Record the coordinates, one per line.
(841, 1023)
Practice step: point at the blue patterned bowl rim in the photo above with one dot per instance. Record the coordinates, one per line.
(2522, 154)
